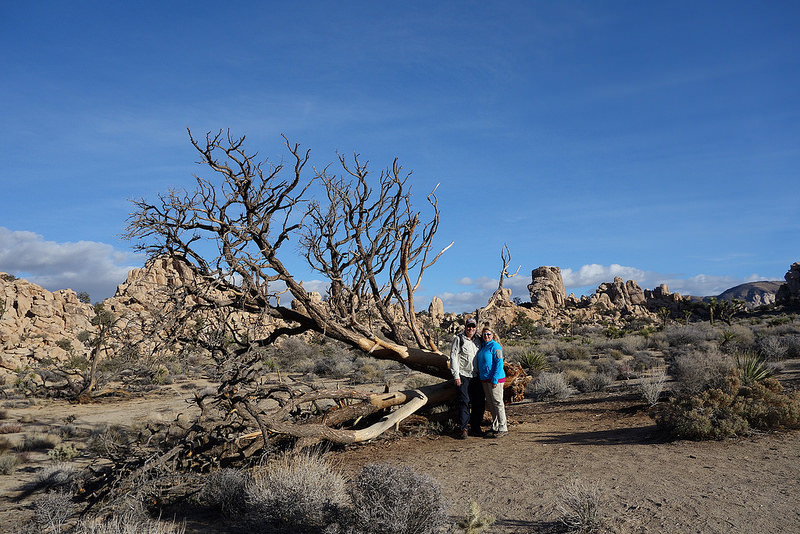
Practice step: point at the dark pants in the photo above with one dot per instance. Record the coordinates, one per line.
(471, 403)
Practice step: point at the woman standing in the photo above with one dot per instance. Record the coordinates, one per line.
(492, 375)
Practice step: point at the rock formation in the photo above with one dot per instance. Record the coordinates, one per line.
(38, 325)
(789, 293)
(436, 311)
(547, 288)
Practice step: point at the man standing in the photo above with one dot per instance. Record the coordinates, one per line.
(471, 400)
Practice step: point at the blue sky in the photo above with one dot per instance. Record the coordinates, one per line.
(656, 141)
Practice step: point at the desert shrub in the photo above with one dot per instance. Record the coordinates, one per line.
(744, 337)
(8, 462)
(626, 345)
(652, 385)
(128, 523)
(333, 367)
(644, 360)
(108, 441)
(476, 520)
(63, 452)
(772, 348)
(573, 352)
(792, 344)
(573, 376)
(10, 428)
(52, 510)
(421, 380)
(367, 370)
(578, 504)
(696, 371)
(730, 410)
(302, 365)
(594, 382)
(37, 442)
(55, 476)
(607, 366)
(549, 386)
(693, 334)
(298, 492)
(396, 500)
(225, 490)
(67, 431)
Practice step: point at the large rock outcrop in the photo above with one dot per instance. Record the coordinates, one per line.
(37, 325)
(789, 293)
(547, 288)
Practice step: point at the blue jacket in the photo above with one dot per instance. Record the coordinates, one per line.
(490, 362)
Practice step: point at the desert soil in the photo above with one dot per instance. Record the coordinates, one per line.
(649, 484)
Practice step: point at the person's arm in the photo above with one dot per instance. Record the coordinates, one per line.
(497, 364)
(455, 366)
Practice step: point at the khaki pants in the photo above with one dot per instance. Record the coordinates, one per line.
(494, 401)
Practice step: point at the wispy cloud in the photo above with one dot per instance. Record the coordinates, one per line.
(96, 268)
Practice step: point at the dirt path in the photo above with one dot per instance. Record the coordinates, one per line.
(648, 485)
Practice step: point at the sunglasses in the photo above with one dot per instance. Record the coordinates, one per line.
(487, 334)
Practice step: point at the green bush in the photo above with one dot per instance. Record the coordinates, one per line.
(735, 408)
(63, 452)
(533, 361)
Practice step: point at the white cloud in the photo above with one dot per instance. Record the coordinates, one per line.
(96, 268)
(594, 275)
(585, 280)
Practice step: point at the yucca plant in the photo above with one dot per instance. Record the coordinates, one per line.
(533, 361)
(752, 367)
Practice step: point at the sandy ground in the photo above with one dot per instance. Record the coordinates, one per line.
(648, 484)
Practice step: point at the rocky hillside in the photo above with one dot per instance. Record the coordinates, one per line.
(754, 294)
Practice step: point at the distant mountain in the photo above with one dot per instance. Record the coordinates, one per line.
(753, 293)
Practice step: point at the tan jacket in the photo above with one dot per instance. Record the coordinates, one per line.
(462, 356)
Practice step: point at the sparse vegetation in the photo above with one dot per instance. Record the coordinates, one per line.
(52, 510)
(298, 492)
(8, 462)
(549, 386)
(731, 409)
(579, 504)
(10, 428)
(226, 491)
(652, 386)
(396, 500)
(476, 520)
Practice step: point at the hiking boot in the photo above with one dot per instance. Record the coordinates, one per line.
(463, 434)
(501, 434)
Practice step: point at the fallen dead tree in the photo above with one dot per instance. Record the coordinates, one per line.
(361, 233)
